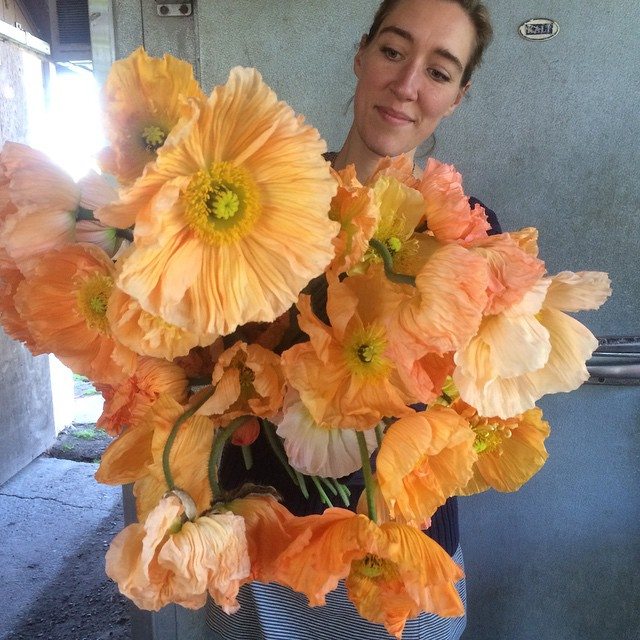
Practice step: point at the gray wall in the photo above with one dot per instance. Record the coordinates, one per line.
(26, 411)
(549, 137)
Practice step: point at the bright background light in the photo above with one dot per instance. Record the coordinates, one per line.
(66, 124)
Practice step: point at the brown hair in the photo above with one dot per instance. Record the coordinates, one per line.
(478, 14)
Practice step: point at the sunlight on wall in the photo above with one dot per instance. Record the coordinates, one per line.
(68, 129)
(64, 122)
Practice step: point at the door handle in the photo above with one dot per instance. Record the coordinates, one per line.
(616, 361)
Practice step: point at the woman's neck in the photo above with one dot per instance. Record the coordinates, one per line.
(355, 152)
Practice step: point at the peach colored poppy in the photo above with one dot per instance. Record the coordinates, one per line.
(248, 379)
(499, 380)
(510, 452)
(188, 460)
(317, 449)
(448, 214)
(401, 168)
(401, 210)
(136, 456)
(355, 209)
(345, 374)
(94, 232)
(34, 220)
(143, 97)
(63, 300)
(171, 558)
(147, 334)
(512, 271)
(446, 310)
(10, 320)
(266, 522)
(392, 572)
(527, 239)
(423, 459)
(229, 227)
(126, 403)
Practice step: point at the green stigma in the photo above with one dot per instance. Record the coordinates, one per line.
(153, 137)
(394, 244)
(98, 304)
(223, 204)
(371, 566)
(366, 353)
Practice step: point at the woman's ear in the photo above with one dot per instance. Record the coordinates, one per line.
(462, 92)
(357, 60)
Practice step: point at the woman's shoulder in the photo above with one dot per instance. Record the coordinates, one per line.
(491, 215)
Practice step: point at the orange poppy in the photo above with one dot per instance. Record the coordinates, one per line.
(177, 558)
(126, 403)
(34, 220)
(510, 452)
(77, 279)
(229, 227)
(392, 571)
(423, 460)
(143, 98)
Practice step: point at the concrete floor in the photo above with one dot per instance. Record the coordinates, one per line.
(56, 524)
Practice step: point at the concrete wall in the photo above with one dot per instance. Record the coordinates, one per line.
(26, 412)
(11, 12)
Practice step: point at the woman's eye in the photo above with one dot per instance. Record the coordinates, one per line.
(390, 53)
(438, 75)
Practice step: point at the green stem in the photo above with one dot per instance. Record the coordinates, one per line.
(327, 483)
(368, 475)
(247, 456)
(382, 251)
(302, 483)
(379, 433)
(272, 439)
(166, 452)
(222, 436)
(343, 492)
(323, 496)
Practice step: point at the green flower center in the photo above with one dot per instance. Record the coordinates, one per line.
(394, 244)
(153, 137)
(222, 204)
(92, 300)
(364, 352)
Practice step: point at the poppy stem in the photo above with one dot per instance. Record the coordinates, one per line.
(379, 433)
(166, 452)
(343, 492)
(247, 456)
(324, 498)
(220, 440)
(367, 474)
(382, 251)
(269, 430)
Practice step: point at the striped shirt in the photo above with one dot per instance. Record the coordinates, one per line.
(273, 612)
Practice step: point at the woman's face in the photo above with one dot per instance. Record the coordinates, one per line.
(409, 74)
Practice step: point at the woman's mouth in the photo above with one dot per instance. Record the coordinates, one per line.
(393, 117)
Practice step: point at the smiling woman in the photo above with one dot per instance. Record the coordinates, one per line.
(413, 69)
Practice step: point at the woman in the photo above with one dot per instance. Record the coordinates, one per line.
(413, 68)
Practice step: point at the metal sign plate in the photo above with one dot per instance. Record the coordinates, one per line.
(539, 29)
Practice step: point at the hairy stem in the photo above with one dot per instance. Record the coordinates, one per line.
(384, 253)
(368, 475)
(166, 452)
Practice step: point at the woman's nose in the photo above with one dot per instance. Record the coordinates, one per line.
(405, 84)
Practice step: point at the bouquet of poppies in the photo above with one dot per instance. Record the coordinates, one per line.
(226, 281)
